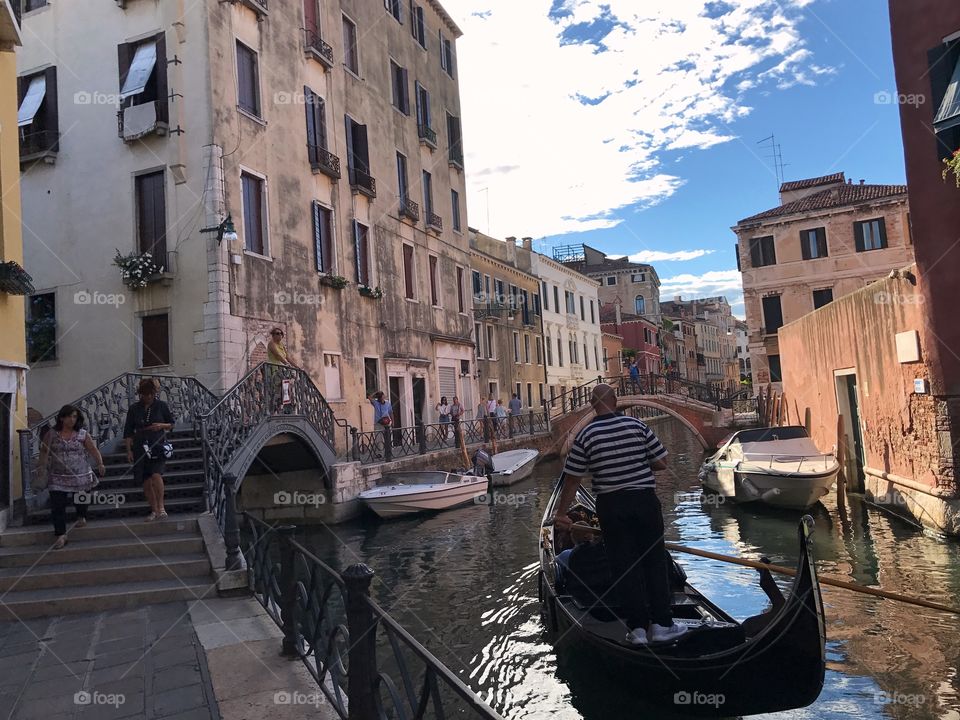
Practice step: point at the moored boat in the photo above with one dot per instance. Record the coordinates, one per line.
(778, 466)
(721, 667)
(404, 493)
(512, 466)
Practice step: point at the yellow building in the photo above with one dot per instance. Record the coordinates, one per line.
(13, 282)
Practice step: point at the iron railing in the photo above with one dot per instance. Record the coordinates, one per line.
(318, 46)
(395, 442)
(39, 141)
(363, 182)
(322, 160)
(427, 134)
(360, 657)
(410, 209)
(434, 221)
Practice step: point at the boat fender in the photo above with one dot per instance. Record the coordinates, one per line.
(770, 494)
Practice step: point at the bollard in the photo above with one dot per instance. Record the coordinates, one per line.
(231, 528)
(363, 643)
(288, 592)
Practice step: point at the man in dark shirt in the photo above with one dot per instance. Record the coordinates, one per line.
(144, 434)
(621, 453)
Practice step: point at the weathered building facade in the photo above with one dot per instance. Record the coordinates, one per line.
(635, 286)
(826, 239)
(328, 132)
(508, 323)
(640, 337)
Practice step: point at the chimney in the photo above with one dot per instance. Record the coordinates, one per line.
(512, 239)
(527, 243)
(861, 181)
(850, 181)
(678, 298)
(616, 306)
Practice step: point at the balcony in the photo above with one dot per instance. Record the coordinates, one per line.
(363, 183)
(258, 6)
(39, 144)
(324, 161)
(434, 222)
(428, 136)
(317, 48)
(137, 121)
(14, 280)
(492, 310)
(409, 209)
(456, 158)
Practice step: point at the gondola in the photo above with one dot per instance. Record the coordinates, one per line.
(721, 667)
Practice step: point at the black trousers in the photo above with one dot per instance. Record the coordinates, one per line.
(632, 524)
(58, 509)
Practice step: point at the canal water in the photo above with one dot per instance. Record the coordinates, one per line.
(464, 584)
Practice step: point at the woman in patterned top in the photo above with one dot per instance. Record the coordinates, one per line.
(63, 457)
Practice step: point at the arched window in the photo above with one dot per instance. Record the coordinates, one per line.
(640, 304)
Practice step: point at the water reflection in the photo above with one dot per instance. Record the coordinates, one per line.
(464, 583)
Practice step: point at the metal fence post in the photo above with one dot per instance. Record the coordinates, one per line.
(421, 434)
(531, 421)
(363, 643)
(354, 444)
(288, 591)
(231, 529)
(511, 419)
(387, 442)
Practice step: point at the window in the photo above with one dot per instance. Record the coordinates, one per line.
(583, 314)
(559, 352)
(479, 336)
(37, 115)
(143, 74)
(417, 26)
(331, 376)
(540, 393)
(638, 277)
(536, 304)
(525, 307)
(486, 286)
(322, 237)
(772, 315)
(512, 299)
(526, 349)
(611, 280)
(154, 340)
(548, 343)
(446, 55)
(408, 289)
(455, 209)
(424, 116)
(454, 140)
(311, 24)
(427, 196)
(396, 9)
(945, 82)
(401, 98)
(606, 359)
(813, 243)
(516, 347)
(498, 291)
(586, 357)
(402, 189)
(573, 349)
(29, 5)
(477, 285)
(351, 53)
(556, 299)
(358, 158)
(539, 347)
(361, 249)
(371, 375)
(151, 216)
(762, 251)
(570, 301)
(248, 80)
(254, 213)
(529, 395)
(870, 235)
(592, 316)
(822, 297)
(491, 345)
(42, 328)
(546, 296)
(461, 302)
(434, 294)
(316, 128)
(640, 305)
(776, 375)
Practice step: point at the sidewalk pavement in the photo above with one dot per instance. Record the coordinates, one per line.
(203, 660)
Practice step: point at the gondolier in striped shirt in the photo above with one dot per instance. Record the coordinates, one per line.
(621, 453)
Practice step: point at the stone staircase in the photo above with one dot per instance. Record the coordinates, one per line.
(110, 563)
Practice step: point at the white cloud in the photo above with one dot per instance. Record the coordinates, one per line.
(558, 137)
(652, 256)
(715, 282)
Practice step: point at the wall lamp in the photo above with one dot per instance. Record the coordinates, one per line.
(224, 230)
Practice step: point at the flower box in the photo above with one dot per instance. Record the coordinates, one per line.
(335, 281)
(137, 270)
(952, 166)
(370, 292)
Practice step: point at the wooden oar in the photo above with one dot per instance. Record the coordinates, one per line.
(790, 571)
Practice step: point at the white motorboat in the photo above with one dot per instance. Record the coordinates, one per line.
(512, 466)
(779, 466)
(404, 493)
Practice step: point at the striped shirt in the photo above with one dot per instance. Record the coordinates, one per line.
(617, 451)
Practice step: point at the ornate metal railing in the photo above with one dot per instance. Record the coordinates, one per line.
(656, 384)
(324, 161)
(318, 46)
(363, 182)
(38, 141)
(434, 221)
(572, 400)
(396, 442)
(427, 134)
(410, 209)
(358, 654)
(266, 391)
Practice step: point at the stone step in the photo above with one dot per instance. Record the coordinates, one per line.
(82, 550)
(174, 464)
(120, 493)
(101, 573)
(139, 510)
(74, 600)
(171, 477)
(130, 529)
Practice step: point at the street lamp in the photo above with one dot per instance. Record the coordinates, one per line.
(225, 230)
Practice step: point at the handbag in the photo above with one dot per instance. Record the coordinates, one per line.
(386, 421)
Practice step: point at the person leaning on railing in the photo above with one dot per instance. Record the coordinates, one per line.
(382, 410)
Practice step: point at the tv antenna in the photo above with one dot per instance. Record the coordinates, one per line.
(776, 154)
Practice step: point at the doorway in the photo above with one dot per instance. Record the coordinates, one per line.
(848, 405)
(6, 432)
(396, 400)
(419, 397)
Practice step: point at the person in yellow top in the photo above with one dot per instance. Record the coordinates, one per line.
(277, 351)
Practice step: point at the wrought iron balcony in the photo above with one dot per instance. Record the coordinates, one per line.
(409, 209)
(39, 142)
(434, 221)
(317, 47)
(456, 157)
(428, 135)
(491, 310)
(363, 183)
(14, 280)
(324, 161)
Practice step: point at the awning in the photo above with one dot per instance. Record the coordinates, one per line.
(31, 100)
(140, 70)
(949, 114)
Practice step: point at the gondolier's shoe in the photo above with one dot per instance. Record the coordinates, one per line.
(661, 634)
(637, 637)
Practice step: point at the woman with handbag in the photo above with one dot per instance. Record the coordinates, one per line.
(66, 470)
(145, 435)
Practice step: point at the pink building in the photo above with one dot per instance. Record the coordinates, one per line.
(638, 333)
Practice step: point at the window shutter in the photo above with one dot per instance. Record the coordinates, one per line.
(160, 71)
(858, 236)
(312, 141)
(419, 104)
(317, 236)
(755, 253)
(310, 17)
(443, 58)
(155, 341)
(821, 242)
(124, 56)
(413, 19)
(360, 148)
(404, 91)
(320, 120)
(356, 251)
(736, 252)
(805, 244)
(351, 161)
(883, 232)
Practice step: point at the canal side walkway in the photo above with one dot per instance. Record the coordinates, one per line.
(198, 660)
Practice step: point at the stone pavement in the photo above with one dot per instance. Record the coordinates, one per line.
(203, 660)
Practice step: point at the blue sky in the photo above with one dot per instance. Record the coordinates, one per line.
(808, 71)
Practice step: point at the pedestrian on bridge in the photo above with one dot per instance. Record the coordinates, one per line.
(145, 435)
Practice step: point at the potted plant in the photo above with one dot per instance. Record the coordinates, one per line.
(335, 281)
(371, 292)
(952, 166)
(136, 269)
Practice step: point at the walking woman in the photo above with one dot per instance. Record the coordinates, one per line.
(456, 412)
(443, 417)
(145, 435)
(63, 457)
